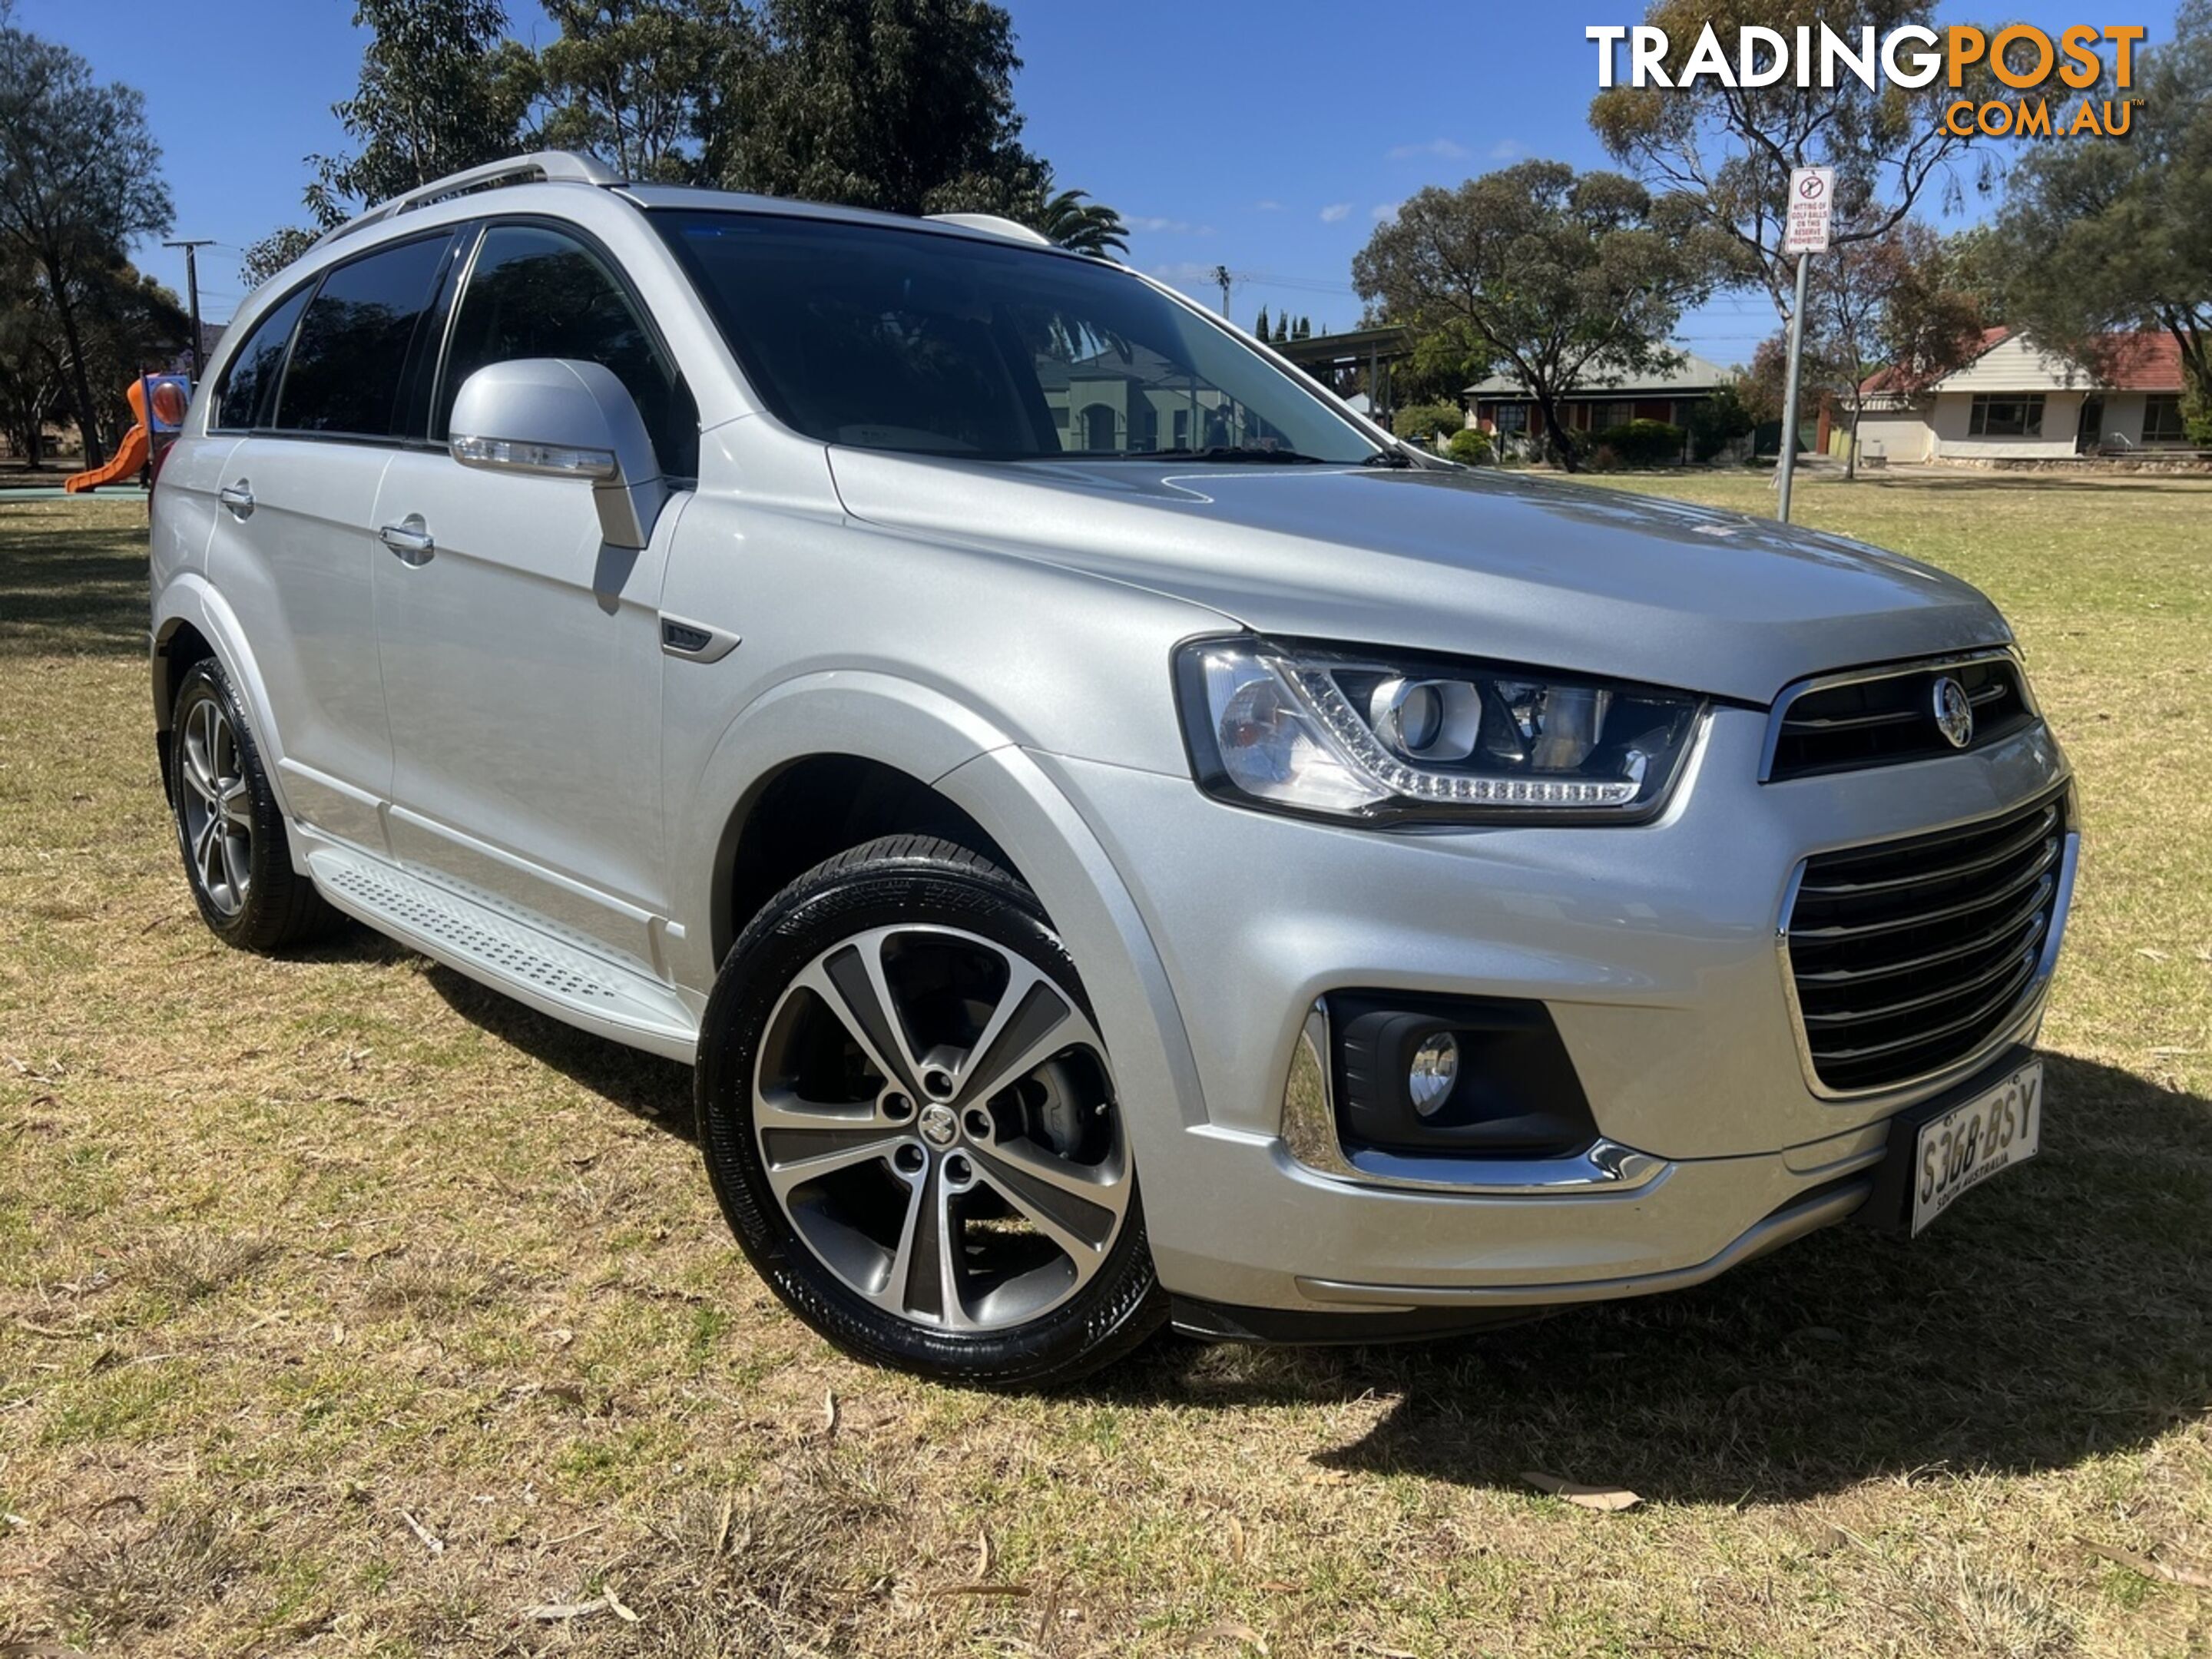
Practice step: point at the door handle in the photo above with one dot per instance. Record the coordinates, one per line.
(410, 539)
(238, 498)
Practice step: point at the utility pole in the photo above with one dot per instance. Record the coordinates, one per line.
(1221, 274)
(192, 290)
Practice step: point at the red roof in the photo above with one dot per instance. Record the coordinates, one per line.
(2145, 361)
(2141, 362)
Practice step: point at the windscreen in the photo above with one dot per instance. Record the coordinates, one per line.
(883, 338)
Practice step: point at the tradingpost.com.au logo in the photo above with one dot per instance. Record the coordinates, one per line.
(1912, 56)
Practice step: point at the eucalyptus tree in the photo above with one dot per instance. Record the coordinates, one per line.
(442, 87)
(1728, 149)
(2101, 237)
(80, 180)
(1557, 277)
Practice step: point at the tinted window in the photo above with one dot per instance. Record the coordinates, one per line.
(885, 339)
(249, 385)
(352, 348)
(536, 293)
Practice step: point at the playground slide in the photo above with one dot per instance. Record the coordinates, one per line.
(124, 464)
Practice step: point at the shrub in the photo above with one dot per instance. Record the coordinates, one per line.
(2196, 420)
(1643, 443)
(1716, 421)
(1471, 446)
(1421, 422)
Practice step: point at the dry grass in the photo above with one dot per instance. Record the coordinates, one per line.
(347, 1309)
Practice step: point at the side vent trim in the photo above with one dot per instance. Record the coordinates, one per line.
(696, 642)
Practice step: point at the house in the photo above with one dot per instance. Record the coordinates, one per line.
(2013, 401)
(1607, 395)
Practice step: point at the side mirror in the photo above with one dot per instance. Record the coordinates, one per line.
(559, 417)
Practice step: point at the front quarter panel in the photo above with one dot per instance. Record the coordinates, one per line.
(884, 645)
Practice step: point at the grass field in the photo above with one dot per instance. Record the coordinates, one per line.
(347, 1309)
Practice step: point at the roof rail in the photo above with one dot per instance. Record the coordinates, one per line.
(992, 225)
(545, 165)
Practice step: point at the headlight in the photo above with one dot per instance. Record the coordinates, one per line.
(1346, 734)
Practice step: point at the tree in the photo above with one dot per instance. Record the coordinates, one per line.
(133, 325)
(279, 248)
(1303, 331)
(1553, 275)
(1070, 219)
(33, 377)
(626, 80)
(1424, 423)
(1718, 421)
(1731, 150)
(1892, 299)
(441, 89)
(2100, 237)
(1282, 330)
(903, 104)
(1260, 328)
(80, 178)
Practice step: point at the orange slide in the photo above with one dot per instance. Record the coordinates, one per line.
(128, 456)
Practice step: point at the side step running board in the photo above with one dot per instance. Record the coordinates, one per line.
(527, 965)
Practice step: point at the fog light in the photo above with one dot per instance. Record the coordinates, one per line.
(1436, 1068)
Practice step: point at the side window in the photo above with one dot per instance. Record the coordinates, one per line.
(249, 385)
(353, 344)
(536, 293)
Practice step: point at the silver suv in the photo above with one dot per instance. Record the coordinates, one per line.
(1119, 839)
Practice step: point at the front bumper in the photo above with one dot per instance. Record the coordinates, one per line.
(1654, 948)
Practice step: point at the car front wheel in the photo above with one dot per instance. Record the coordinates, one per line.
(911, 1122)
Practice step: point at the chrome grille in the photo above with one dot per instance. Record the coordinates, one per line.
(1909, 955)
(1888, 716)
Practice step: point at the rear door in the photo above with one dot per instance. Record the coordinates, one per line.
(522, 655)
(293, 552)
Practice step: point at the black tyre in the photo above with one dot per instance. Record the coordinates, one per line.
(229, 826)
(910, 1120)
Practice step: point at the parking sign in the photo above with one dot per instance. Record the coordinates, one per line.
(1812, 202)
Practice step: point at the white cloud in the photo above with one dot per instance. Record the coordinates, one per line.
(1334, 211)
(1268, 207)
(1506, 148)
(1442, 148)
(1184, 271)
(1167, 226)
(1383, 210)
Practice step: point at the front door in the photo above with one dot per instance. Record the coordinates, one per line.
(522, 654)
(2093, 423)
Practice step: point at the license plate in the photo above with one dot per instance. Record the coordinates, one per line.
(1966, 1145)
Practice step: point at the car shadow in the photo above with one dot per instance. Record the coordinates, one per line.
(2061, 1313)
(654, 1091)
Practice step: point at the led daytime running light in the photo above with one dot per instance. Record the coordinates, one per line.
(1360, 745)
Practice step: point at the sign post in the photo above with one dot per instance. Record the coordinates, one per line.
(1805, 233)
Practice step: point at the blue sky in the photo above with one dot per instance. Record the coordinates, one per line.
(1268, 138)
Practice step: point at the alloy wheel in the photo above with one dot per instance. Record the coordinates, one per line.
(217, 806)
(936, 1119)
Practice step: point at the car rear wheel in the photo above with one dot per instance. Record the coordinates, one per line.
(229, 825)
(911, 1122)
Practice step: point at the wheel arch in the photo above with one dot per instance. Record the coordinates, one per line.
(192, 624)
(813, 807)
(978, 777)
